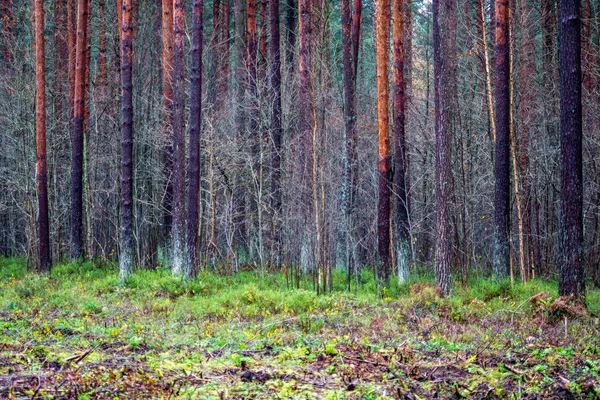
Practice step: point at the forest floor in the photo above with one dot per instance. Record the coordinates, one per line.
(79, 334)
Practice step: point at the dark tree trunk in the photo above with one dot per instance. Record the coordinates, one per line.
(126, 237)
(276, 129)
(40, 136)
(572, 280)
(178, 137)
(402, 240)
(356, 16)
(444, 39)
(383, 214)
(290, 34)
(195, 129)
(501, 259)
(351, 163)
(77, 133)
(167, 89)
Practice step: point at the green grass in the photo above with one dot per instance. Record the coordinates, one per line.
(80, 333)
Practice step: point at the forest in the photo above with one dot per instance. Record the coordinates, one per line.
(303, 199)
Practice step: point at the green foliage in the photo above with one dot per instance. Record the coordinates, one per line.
(484, 338)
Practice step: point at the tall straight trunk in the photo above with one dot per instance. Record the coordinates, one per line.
(126, 237)
(40, 138)
(167, 91)
(383, 214)
(195, 129)
(276, 128)
(62, 111)
(77, 133)
(351, 163)
(444, 41)
(239, 212)
(178, 137)
(401, 238)
(571, 280)
(501, 259)
(306, 127)
(290, 34)
(251, 102)
(526, 110)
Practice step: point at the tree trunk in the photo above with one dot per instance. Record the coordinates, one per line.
(401, 238)
(349, 184)
(40, 136)
(571, 280)
(167, 90)
(306, 126)
(178, 137)
(195, 129)
(77, 133)
(290, 35)
(276, 130)
(501, 259)
(239, 212)
(444, 41)
(126, 237)
(526, 110)
(383, 215)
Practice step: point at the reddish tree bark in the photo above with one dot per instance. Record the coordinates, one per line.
(571, 280)
(195, 130)
(276, 128)
(501, 259)
(77, 133)
(383, 215)
(178, 137)
(40, 136)
(126, 237)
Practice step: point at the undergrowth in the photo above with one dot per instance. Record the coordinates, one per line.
(78, 332)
